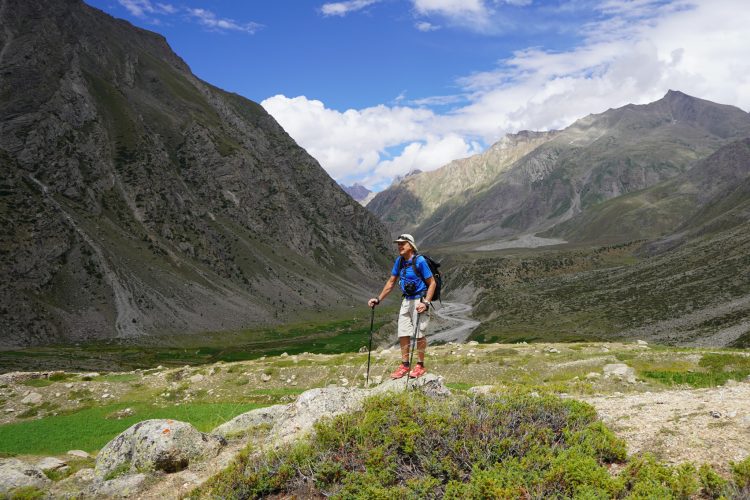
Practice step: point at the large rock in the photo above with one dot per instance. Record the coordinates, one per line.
(242, 423)
(17, 474)
(314, 404)
(33, 398)
(311, 405)
(156, 445)
(120, 487)
(50, 463)
(620, 371)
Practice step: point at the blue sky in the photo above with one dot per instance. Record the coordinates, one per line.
(375, 88)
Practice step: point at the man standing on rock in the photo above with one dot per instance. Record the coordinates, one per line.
(414, 277)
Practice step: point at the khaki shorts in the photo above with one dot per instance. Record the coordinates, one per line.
(407, 318)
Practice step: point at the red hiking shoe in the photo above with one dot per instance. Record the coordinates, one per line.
(400, 371)
(417, 372)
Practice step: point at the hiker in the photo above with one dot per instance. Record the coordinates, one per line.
(417, 293)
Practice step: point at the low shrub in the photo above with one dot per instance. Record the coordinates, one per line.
(411, 446)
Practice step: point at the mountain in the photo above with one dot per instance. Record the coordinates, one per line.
(412, 199)
(597, 158)
(137, 200)
(713, 195)
(359, 193)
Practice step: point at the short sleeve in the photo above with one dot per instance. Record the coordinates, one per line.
(394, 271)
(424, 268)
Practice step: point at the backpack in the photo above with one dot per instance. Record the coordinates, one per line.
(434, 269)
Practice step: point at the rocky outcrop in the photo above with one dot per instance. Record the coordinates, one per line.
(249, 420)
(17, 474)
(288, 422)
(619, 371)
(155, 445)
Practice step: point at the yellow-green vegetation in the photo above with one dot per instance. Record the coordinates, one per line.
(713, 369)
(23, 493)
(499, 446)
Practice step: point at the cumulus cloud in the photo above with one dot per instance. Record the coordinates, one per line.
(696, 46)
(344, 8)
(348, 143)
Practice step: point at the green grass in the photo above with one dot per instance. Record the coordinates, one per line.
(90, 430)
(332, 336)
(694, 379)
(713, 369)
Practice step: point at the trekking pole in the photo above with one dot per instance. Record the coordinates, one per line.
(369, 347)
(413, 348)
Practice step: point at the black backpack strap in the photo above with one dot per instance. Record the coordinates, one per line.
(401, 266)
(416, 269)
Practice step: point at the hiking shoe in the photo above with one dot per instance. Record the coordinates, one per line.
(417, 372)
(400, 371)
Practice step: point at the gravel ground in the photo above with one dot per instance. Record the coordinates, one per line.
(700, 425)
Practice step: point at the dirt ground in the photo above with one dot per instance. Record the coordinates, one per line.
(700, 425)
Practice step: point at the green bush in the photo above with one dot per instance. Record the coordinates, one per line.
(714, 486)
(494, 446)
(411, 446)
(741, 474)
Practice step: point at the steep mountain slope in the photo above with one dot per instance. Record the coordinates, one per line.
(411, 200)
(714, 191)
(138, 200)
(599, 157)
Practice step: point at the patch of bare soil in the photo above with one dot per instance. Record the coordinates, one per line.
(700, 425)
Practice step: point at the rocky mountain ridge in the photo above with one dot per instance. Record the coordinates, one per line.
(711, 196)
(138, 200)
(597, 158)
(412, 199)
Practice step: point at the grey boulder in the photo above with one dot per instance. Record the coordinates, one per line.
(243, 423)
(16, 474)
(156, 445)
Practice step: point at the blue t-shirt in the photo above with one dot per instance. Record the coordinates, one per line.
(408, 275)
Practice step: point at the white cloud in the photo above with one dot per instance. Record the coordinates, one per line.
(142, 8)
(450, 7)
(146, 9)
(696, 46)
(425, 26)
(473, 14)
(423, 155)
(344, 8)
(352, 142)
(212, 21)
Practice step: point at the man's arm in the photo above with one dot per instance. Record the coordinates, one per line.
(384, 293)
